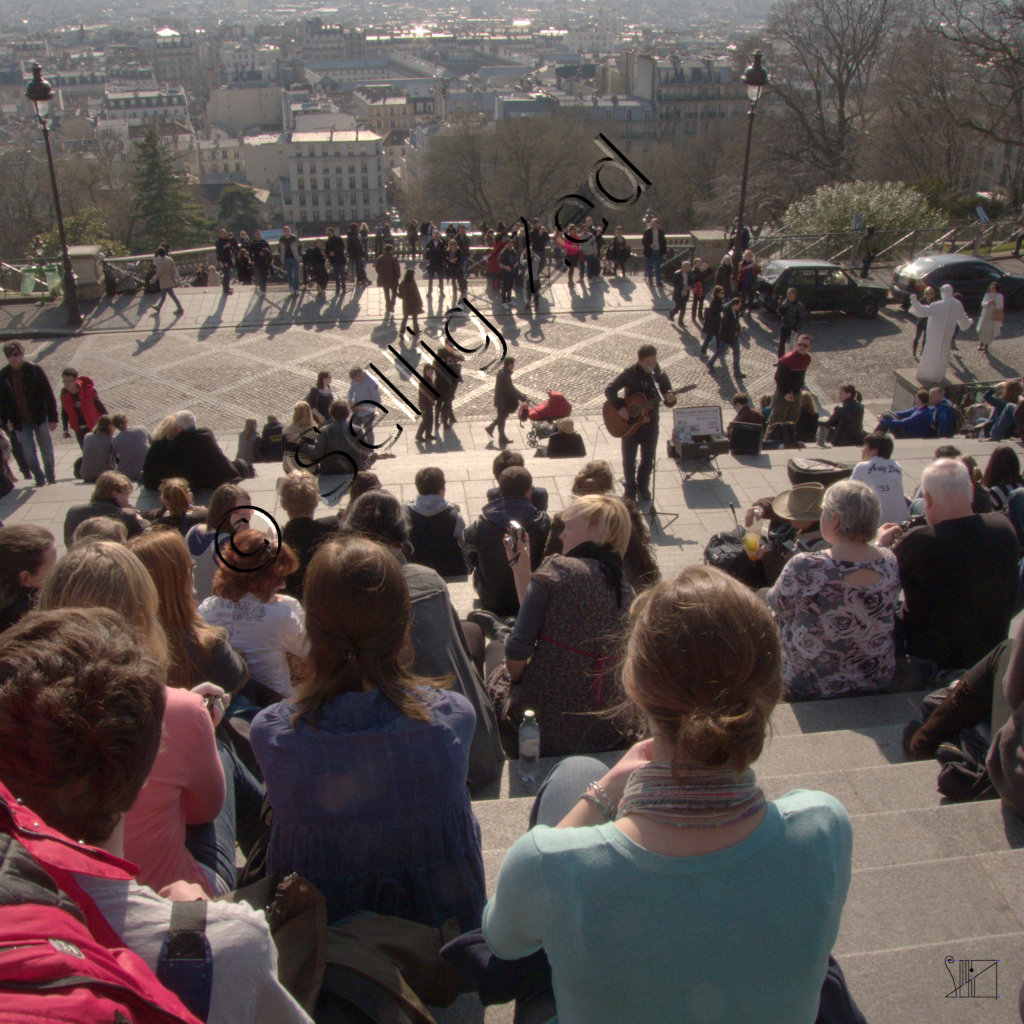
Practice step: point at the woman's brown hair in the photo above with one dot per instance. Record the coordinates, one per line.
(166, 558)
(22, 549)
(175, 495)
(358, 616)
(704, 665)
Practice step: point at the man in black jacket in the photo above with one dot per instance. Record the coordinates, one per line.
(506, 400)
(645, 379)
(335, 249)
(262, 259)
(195, 454)
(29, 409)
(485, 540)
(791, 315)
(226, 249)
(655, 246)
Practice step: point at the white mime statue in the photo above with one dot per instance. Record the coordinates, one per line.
(944, 316)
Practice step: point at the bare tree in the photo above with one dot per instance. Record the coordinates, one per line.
(987, 38)
(822, 55)
(502, 171)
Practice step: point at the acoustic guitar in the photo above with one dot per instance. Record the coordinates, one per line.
(639, 408)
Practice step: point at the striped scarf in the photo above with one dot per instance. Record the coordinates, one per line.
(706, 798)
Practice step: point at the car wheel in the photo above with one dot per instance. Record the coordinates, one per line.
(869, 307)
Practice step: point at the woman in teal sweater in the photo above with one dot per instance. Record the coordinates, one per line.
(671, 889)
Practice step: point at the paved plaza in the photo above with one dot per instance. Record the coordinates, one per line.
(230, 357)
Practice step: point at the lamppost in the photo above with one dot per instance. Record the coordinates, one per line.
(40, 91)
(755, 78)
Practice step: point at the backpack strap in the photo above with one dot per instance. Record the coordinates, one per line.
(185, 965)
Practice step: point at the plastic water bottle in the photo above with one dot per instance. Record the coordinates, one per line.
(529, 747)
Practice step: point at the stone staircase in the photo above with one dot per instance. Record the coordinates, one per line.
(930, 880)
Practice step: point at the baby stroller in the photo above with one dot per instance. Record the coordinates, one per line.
(543, 417)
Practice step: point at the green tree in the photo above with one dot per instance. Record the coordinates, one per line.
(164, 205)
(86, 228)
(889, 206)
(239, 210)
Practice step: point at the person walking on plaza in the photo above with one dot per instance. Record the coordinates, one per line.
(80, 405)
(1020, 234)
(363, 400)
(427, 397)
(729, 335)
(434, 255)
(453, 260)
(790, 372)
(699, 274)
(412, 303)
(791, 315)
(335, 248)
(680, 291)
(389, 274)
(506, 400)
(655, 246)
(168, 278)
(289, 248)
(867, 250)
(226, 249)
(29, 409)
(262, 260)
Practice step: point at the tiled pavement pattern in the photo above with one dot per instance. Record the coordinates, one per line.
(235, 356)
(929, 881)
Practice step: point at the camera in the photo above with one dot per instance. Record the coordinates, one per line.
(514, 535)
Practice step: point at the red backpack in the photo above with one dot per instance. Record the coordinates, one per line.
(60, 962)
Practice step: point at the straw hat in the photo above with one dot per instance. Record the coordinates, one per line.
(802, 504)
(566, 425)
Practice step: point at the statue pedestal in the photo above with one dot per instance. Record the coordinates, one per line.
(958, 390)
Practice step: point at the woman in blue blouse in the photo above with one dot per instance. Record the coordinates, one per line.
(366, 766)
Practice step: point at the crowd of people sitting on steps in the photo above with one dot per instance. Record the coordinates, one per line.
(185, 688)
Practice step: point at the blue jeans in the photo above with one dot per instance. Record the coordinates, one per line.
(213, 844)
(1002, 424)
(560, 791)
(225, 277)
(28, 436)
(654, 266)
(291, 269)
(720, 354)
(338, 274)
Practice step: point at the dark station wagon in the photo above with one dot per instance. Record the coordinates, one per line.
(821, 287)
(968, 275)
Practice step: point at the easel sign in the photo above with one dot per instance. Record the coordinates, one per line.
(696, 421)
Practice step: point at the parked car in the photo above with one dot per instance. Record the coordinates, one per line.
(820, 286)
(968, 275)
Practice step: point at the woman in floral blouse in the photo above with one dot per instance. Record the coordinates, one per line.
(834, 607)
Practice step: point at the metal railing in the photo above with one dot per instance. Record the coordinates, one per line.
(129, 274)
(971, 237)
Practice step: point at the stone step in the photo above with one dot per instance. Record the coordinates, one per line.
(909, 985)
(785, 753)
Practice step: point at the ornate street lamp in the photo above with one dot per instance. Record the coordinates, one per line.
(755, 78)
(40, 91)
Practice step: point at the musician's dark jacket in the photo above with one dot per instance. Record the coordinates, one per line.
(636, 379)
